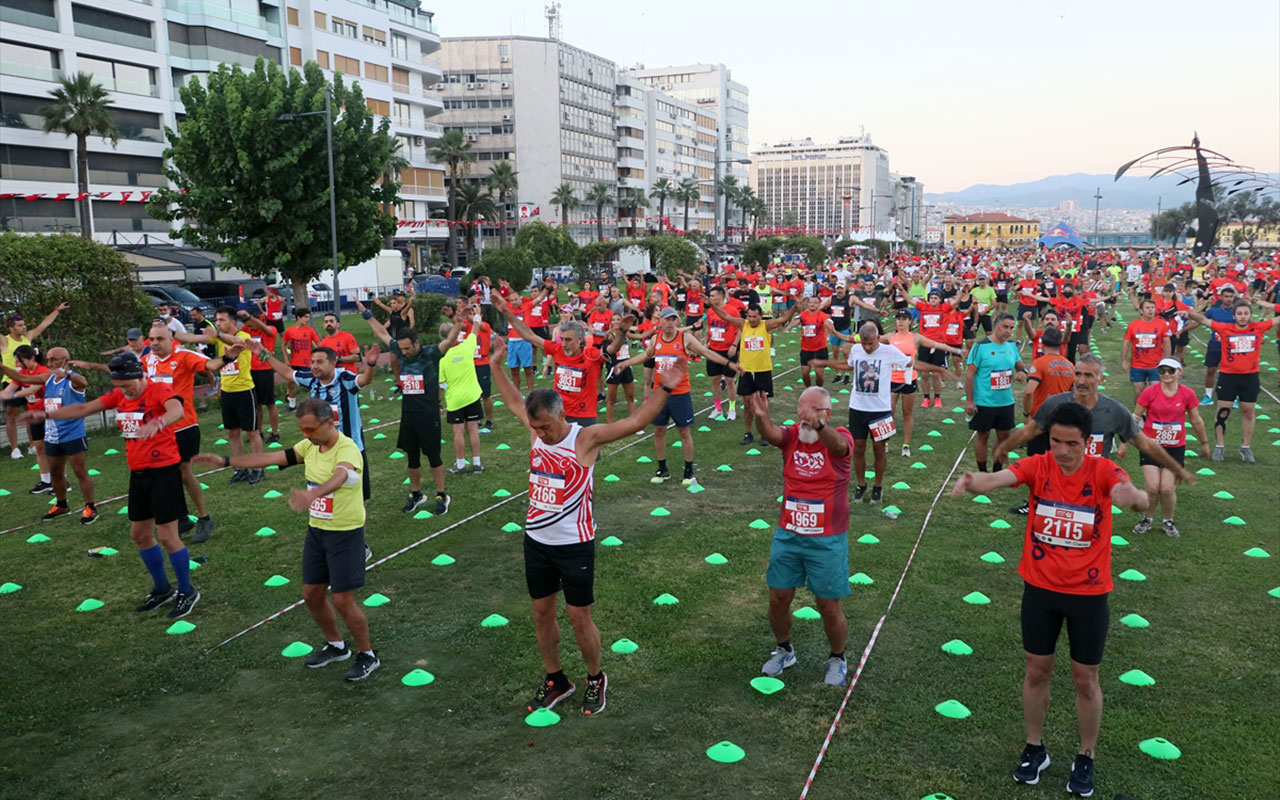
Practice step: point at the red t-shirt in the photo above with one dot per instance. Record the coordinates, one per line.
(342, 343)
(953, 332)
(1167, 416)
(815, 486)
(35, 400)
(1027, 288)
(300, 339)
(1148, 342)
(268, 340)
(693, 303)
(1071, 308)
(720, 334)
(537, 313)
(933, 319)
(160, 450)
(1241, 347)
(794, 288)
(178, 373)
(1053, 374)
(275, 307)
(665, 290)
(520, 307)
(635, 292)
(813, 333)
(577, 379)
(1068, 541)
(598, 323)
(483, 334)
(588, 299)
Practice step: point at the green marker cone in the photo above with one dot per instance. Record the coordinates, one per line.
(365, 406)
(724, 468)
(194, 565)
(861, 579)
(934, 434)
(659, 512)
(1257, 552)
(766, 685)
(925, 448)
(444, 560)
(511, 527)
(726, 752)
(417, 677)
(1263, 417)
(611, 478)
(948, 421)
(9, 587)
(958, 410)
(1134, 621)
(695, 488)
(271, 494)
(6, 492)
(1136, 677)
(952, 709)
(665, 599)
(918, 465)
(265, 531)
(123, 510)
(405, 483)
(1275, 592)
(181, 626)
(992, 557)
(296, 650)
(891, 511)
(37, 538)
(677, 443)
(1132, 575)
(788, 421)
(276, 580)
(956, 647)
(706, 394)
(610, 541)
(716, 558)
(936, 796)
(502, 493)
(374, 421)
(902, 486)
(703, 429)
(423, 514)
(90, 604)
(759, 525)
(503, 446)
(1192, 438)
(1119, 541)
(1116, 510)
(1205, 471)
(1000, 525)
(779, 500)
(396, 454)
(274, 446)
(541, 718)
(92, 473)
(977, 599)
(220, 441)
(868, 538)
(376, 599)
(1233, 520)
(806, 612)
(1013, 456)
(111, 451)
(751, 452)
(380, 436)
(644, 460)
(494, 621)
(1160, 748)
(983, 499)
(624, 646)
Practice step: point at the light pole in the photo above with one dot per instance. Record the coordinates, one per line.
(1159, 200)
(333, 207)
(716, 225)
(1097, 200)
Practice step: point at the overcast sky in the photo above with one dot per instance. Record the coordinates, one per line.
(958, 92)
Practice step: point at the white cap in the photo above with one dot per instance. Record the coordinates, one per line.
(1169, 362)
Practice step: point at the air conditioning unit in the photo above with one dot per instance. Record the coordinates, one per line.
(506, 117)
(506, 85)
(472, 85)
(473, 137)
(504, 59)
(417, 141)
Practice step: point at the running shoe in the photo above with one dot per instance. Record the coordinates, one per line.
(924, 403)
(456, 470)
(368, 554)
(293, 404)
(716, 416)
(860, 492)
(416, 499)
(15, 454)
(1206, 401)
(239, 476)
(31, 450)
(733, 413)
(273, 438)
(257, 476)
(1171, 530)
(1246, 453)
(1032, 763)
(1218, 452)
(1081, 783)
(747, 439)
(477, 468)
(1021, 510)
(764, 442)
(363, 668)
(837, 672)
(442, 503)
(41, 487)
(660, 476)
(88, 515)
(593, 698)
(549, 694)
(204, 529)
(185, 524)
(1143, 525)
(937, 402)
(327, 655)
(183, 603)
(55, 510)
(906, 451)
(157, 598)
(689, 481)
(876, 493)
(487, 427)
(778, 661)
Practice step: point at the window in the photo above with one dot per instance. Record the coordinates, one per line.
(321, 22)
(373, 35)
(399, 46)
(30, 62)
(400, 78)
(120, 77)
(105, 26)
(342, 27)
(125, 170)
(347, 66)
(402, 113)
(380, 107)
(375, 72)
(295, 56)
(34, 13)
(35, 164)
(199, 43)
(322, 58)
(138, 125)
(293, 17)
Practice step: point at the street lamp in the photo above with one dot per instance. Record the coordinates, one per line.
(716, 225)
(333, 208)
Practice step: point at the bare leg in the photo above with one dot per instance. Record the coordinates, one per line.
(437, 475)
(780, 612)
(686, 441)
(880, 449)
(860, 461)
(235, 441)
(80, 466)
(660, 442)
(1151, 475)
(473, 435)
(58, 476)
(192, 485)
(980, 445)
(547, 630)
(629, 389)
(1035, 696)
(11, 414)
(908, 418)
(459, 446)
(356, 621)
(317, 599)
(1088, 705)
(588, 636)
(1248, 417)
(611, 397)
(415, 479)
(1168, 493)
(834, 623)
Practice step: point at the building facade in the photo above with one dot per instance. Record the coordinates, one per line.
(989, 231)
(834, 190)
(907, 213)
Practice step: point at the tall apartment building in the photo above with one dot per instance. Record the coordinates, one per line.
(143, 50)
(907, 213)
(542, 104)
(836, 190)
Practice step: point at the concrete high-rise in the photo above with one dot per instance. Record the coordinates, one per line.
(835, 190)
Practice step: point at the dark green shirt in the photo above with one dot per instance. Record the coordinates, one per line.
(419, 378)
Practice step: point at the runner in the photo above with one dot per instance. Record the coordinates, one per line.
(934, 316)
(16, 336)
(271, 308)
(624, 378)
(484, 373)
(811, 544)
(902, 380)
(559, 540)
(463, 410)
(813, 342)
(1221, 310)
(343, 344)
(1050, 374)
(334, 545)
(264, 379)
(239, 404)
(577, 365)
(756, 335)
(1066, 566)
(723, 339)
(399, 316)
(146, 412)
(30, 364)
(992, 366)
(841, 312)
(1165, 408)
(1146, 343)
(298, 341)
(519, 351)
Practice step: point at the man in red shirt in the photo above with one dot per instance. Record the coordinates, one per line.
(599, 320)
(635, 291)
(145, 414)
(722, 338)
(484, 374)
(933, 325)
(1066, 566)
(577, 365)
(813, 340)
(1146, 341)
(340, 342)
(271, 307)
(264, 378)
(298, 341)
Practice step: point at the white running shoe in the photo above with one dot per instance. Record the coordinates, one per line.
(733, 413)
(16, 454)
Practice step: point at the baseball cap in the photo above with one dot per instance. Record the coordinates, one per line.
(903, 314)
(125, 367)
(1170, 362)
(667, 313)
(134, 333)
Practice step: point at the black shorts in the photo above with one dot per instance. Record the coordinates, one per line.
(239, 411)
(679, 410)
(694, 322)
(1182, 340)
(903, 388)
(35, 432)
(543, 331)
(809, 355)
(484, 375)
(1178, 454)
(752, 382)
(1244, 388)
(860, 422)
(67, 448)
(931, 355)
(1213, 354)
(14, 402)
(264, 386)
(585, 422)
(619, 378)
(472, 412)
(714, 368)
(278, 324)
(1023, 310)
(985, 321)
(1087, 616)
(1002, 297)
(156, 494)
(335, 558)
(649, 363)
(188, 442)
(420, 435)
(988, 417)
(365, 475)
(550, 568)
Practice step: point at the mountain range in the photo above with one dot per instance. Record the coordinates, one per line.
(1129, 192)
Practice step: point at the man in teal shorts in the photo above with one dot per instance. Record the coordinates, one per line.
(993, 365)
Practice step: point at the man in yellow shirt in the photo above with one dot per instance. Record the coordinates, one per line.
(462, 393)
(16, 336)
(755, 356)
(333, 551)
(239, 408)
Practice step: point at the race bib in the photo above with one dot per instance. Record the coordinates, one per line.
(162, 378)
(1145, 341)
(412, 384)
(808, 331)
(1001, 286)
(931, 320)
(882, 428)
(231, 368)
(337, 413)
(1001, 379)
(902, 375)
(694, 308)
(546, 490)
(717, 334)
(837, 312)
(1063, 525)
(130, 423)
(953, 329)
(663, 363)
(982, 308)
(52, 404)
(276, 315)
(1240, 345)
(1168, 434)
(753, 344)
(805, 517)
(321, 507)
(570, 379)
(624, 352)
(1093, 447)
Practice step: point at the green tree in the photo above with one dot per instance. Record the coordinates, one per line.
(474, 206)
(600, 195)
(662, 191)
(631, 201)
(1172, 223)
(547, 245)
(746, 201)
(728, 187)
(593, 254)
(687, 192)
(789, 218)
(758, 210)
(671, 254)
(256, 189)
(396, 163)
(80, 109)
(564, 197)
(510, 263)
(502, 184)
(760, 252)
(454, 151)
(814, 251)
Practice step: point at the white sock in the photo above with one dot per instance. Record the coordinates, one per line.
(369, 653)
(460, 463)
(1208, 393)
(476, 461)
(45, 477)
(338, 645)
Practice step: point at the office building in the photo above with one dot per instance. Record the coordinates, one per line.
(907, 212)
(989, 230)
(834, 190)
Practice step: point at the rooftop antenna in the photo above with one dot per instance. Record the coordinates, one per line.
(553, 21)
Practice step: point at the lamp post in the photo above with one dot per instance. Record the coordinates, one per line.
(333, 207)
(716, 225)
(1097, 200)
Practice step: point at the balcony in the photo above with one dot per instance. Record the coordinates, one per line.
(128, 87)
(403, 16)
(114, 37)
(419, 128)
(16, 70)
(196, 8)
(417, 91)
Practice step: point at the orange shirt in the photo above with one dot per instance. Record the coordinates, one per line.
(1053, 374)
(178, 373)
(664, 355)
(300, 339)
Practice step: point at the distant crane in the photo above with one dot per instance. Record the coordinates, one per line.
(553, 21)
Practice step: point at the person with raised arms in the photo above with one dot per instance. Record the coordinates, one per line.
(754, 358)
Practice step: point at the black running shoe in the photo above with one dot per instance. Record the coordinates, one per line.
(1021, 510)
(327, 655)
(273, 438)
(183, 603)
(239, 476)
(442, 503)
(1032, 763)
(876, 491)
(257, 476)
(415, 500)
(746, 440)
(41, 488)
(764, 442)
(204, 529)
(363, 668)
(157, 598)
(549, 694)
(1081, 783)
(860, 492)
(593, 699)
(185, 524)
(660, 476)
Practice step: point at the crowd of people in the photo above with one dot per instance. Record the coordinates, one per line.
(890, 330)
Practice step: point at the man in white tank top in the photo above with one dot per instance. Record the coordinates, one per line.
(559, 541)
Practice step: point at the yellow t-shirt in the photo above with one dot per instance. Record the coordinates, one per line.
(753, 355)
(235, 375)
(11, 344)
(458, 372)
(344, 509)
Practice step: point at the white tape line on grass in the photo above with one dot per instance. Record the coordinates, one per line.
(875, 633)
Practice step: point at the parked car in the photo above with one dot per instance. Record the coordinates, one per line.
(175, 296)
(237, 294)
(424, 283)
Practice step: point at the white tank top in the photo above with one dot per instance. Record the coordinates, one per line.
(560, 492)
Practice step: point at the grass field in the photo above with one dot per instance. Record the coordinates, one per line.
(104, 704)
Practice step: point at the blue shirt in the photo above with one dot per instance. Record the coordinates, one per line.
(993, 382)
(1218, 313)
(343, 396)
(59, 393)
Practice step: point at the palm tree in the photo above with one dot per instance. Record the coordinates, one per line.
(759, 210)
(687, 192)
(633, 200)
(395, 164)
(746, 198)
(564, 197)
(729, 188)
(502, 182)
(474, 202)
(80, 109)
(662, 189)
(600, 195)
(454, 151)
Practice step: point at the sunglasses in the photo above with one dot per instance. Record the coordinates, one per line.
(1166, 370)
(308, 430)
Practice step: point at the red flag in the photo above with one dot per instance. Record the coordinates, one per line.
(31, 198)
(61, 196)
(124, 196)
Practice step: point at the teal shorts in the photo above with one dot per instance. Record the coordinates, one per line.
(820, 562)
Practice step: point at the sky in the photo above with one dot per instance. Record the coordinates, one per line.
(959, 92)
